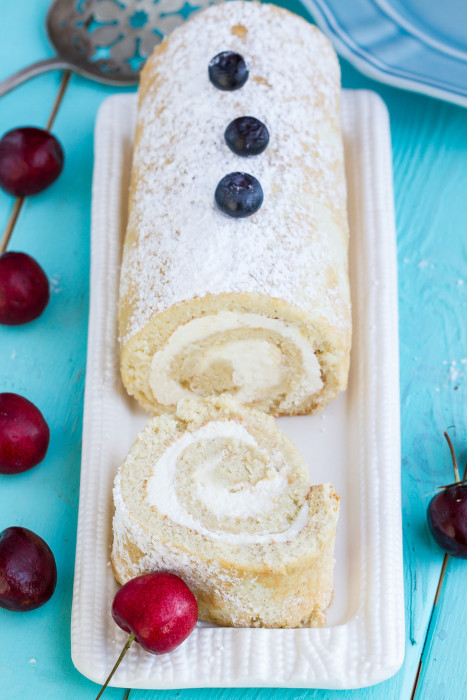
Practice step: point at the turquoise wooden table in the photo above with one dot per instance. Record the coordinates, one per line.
(46, 362)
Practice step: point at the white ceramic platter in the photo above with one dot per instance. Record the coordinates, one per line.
(355, 444)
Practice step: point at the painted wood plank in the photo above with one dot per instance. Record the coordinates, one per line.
(444, 673)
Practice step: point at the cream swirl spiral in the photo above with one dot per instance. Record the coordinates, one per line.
(220, 482)
(257, 359)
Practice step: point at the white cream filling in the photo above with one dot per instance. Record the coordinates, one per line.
(257, 364)
(247, 500)
(251, 501)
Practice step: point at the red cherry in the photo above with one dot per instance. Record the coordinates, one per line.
(24, 289)
(30, 160)
(24, 434)
(447, 512)
(158, 608)
(447, 519)
(28, 573)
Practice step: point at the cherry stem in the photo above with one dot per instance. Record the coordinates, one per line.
(61, 91)
(20, 200)
(453, 456)
(11, 224)
(129, 641)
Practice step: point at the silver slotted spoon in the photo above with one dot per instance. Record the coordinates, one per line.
(106, 40)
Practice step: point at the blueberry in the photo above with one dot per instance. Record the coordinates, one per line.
(228, 71)
(246, 136)
(239, 195)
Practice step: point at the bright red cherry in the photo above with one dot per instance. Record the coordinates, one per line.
(24, 434)
(28, 573)
(158, 610)
(30, 160)
(24, 289)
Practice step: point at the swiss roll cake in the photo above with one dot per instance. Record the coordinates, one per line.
(216, 494)
(234, 272)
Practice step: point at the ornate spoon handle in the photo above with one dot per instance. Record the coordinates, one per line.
(31, 71)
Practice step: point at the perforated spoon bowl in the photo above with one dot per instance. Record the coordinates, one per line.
(106, 40)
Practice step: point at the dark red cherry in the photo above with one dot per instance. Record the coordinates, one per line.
(447, 519)
(24, 434)
(30, 160)
(447, 512)
(28, 573)
(24, 289)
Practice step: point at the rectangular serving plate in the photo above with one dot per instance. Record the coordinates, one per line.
(354, 443)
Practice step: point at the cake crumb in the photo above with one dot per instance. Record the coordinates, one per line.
(239, 30)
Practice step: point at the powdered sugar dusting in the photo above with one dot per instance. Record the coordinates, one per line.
(185, 247)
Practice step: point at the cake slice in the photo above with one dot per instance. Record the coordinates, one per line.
(218, 495)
